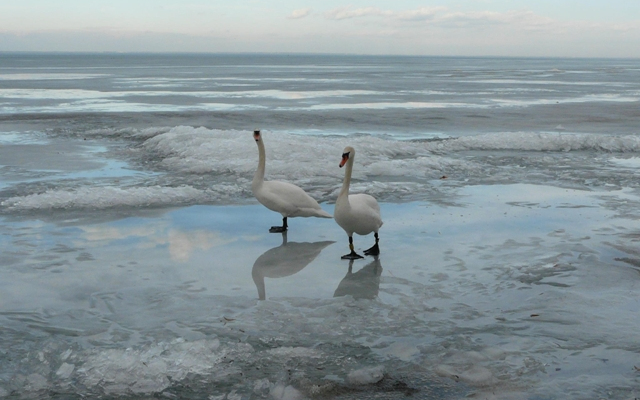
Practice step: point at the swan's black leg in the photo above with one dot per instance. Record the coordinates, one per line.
(353, 255)
(279, 229)
(374, 250)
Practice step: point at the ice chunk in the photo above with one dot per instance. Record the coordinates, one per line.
(366, 376)
(294, 352)
(36, 382)
(402, 350)
(234, 396)
(65, 370)
(152, 369)
(475, 375)
(534, 141)
(110, 196)
(261, 386)
(65, 355)
(282, 392)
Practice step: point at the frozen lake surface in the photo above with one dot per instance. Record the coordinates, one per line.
(518, 290)
(136, 263)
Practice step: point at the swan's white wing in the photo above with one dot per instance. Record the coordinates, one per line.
(289, 200)
(367, 208)
(367, 201)
(361, 215)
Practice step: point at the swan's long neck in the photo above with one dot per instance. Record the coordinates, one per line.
(344, 192)
(258, 178)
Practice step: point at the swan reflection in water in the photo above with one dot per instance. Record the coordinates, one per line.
(284, 260)
(364, 284)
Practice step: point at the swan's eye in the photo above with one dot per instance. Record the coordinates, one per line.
(345, 156)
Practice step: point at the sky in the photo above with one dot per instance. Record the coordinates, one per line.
(534, 28)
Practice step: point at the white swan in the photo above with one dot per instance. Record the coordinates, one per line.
(359, 213)
(283, 197)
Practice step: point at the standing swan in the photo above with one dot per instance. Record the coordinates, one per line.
(359, 213)
(285, 198)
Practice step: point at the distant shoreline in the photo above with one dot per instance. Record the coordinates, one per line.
(279, 54)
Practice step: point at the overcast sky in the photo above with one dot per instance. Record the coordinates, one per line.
(574, 28)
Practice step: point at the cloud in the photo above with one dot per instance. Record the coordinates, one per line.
(420, 14)
(522, 19)
(183, 244)
(109, 234)
(299, 14)
(443, 17)
(341, 13)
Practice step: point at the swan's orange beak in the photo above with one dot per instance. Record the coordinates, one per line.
(256, 135)
(345, 158)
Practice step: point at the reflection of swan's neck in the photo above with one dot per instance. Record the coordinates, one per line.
(258, 275)
(258, 178)
(344, 193)
(258, 279)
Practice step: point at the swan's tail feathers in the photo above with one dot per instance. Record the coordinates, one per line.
(311, 212)
(323, 214)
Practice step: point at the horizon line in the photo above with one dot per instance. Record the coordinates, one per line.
(249, 53)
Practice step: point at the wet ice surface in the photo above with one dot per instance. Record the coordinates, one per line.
(133, 254)
(521, 290)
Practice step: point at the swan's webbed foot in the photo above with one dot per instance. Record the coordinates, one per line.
(280, 229)
(373, 251)
(351, 256)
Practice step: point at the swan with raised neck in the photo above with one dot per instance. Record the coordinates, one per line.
(356, 213)
(283, 197)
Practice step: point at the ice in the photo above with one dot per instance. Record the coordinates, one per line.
(402, 350)
(36, 382)
(584, 99)
(47, 76)
(366, 376)
(631, 162)
(201, 165)
(530, 141)
(200, 150)
(65, 370)
(545, 82)
(282, 392)
(97, 198)
(132, 245)
(153, 369)
(291, 352)
(128, 133)
(384, 105)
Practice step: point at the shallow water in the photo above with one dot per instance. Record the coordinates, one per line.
(134, 255)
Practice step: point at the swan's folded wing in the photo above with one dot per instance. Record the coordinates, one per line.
(289, 200)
